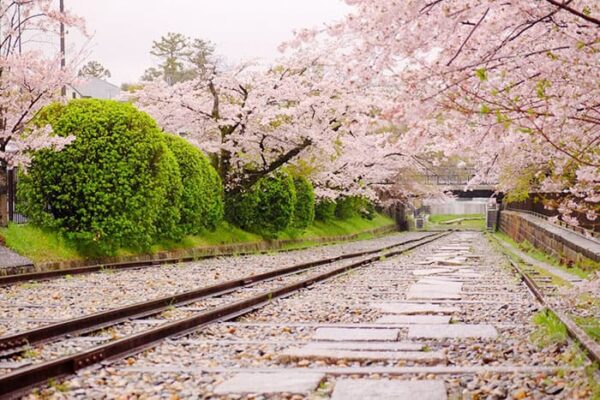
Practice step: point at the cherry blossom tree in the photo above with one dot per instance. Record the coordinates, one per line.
(254, 121)
(512, 85)
(30, 78)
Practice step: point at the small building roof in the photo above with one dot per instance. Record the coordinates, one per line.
(96, 88)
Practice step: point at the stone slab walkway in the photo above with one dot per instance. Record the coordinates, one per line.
(567, 276)
(289, 382)
(10, 259)
(365, 389)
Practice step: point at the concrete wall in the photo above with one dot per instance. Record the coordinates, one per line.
(457, 207)
(520, 228)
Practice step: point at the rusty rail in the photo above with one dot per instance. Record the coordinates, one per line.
(15, 382)
(101, 319)
(590, 347)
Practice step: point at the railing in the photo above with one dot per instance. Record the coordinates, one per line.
(459, 176)
(586, 233)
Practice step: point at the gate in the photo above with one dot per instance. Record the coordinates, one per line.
(13, 215)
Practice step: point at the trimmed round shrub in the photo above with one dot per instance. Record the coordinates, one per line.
(304, 212)
(201, 205)
(116, 185)
(325, 210)
(267, 208)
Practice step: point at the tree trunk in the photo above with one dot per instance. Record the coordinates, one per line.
(3, 195)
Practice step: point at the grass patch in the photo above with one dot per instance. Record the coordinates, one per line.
(590, 325)
(39, 244)
(43, 245)
(550, 330)
(472, 221)
(539, 255)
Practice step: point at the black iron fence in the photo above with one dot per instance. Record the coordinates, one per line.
(13, 214)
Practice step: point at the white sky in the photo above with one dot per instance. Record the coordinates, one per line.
(123, 30)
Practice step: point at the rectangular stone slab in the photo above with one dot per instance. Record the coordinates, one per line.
(359, 334)
(307, 353)
(382, 389)
(432, 271)
(443, 284)
(414, 319)
(431, 295)
(426, 291)
(275, 382)
(414, 308)
(372, 346)
(483, 331)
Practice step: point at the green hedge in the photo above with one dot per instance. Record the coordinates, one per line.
(201, 205)
(325, 210)
(346, 207)
(267, 208)
(116, 185)
(304, 210)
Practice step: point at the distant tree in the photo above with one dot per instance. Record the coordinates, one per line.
(94, 69)
(152, 74)
(201, 56)
(130, 87)
(181, 58)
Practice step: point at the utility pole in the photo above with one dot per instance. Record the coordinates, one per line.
(63, 61)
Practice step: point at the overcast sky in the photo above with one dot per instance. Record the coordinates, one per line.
(123, 30)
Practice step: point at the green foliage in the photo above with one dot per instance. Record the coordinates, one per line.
(346, 207)
(304, 211)
(550, 330)
(116, 185)
(481, 73)
(201, 205)
(325, 210)
(267, 208)
(350, 206)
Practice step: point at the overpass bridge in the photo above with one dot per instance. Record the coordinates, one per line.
(456, 179)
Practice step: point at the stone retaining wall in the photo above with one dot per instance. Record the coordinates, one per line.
(198, 252)
(520, 228)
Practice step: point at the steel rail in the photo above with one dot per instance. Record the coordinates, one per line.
(110, 317)
(590, 347)
(15, 382)
(125, 265)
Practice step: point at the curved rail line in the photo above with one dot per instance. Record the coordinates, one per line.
(110, 317)
(15, 382)
(591, 348)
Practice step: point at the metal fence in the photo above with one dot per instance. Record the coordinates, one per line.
(13, 215)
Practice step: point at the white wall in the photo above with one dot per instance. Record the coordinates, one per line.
(457, 207)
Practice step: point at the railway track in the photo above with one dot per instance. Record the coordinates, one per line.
(31, 304)
(447, 320)
(113, 333)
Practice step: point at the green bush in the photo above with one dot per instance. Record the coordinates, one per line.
(201, 205)
(116, 185)
(325, 210)
(352, 206)
(367, 209)
(267, 208)
(304, 212)
(346, 207)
